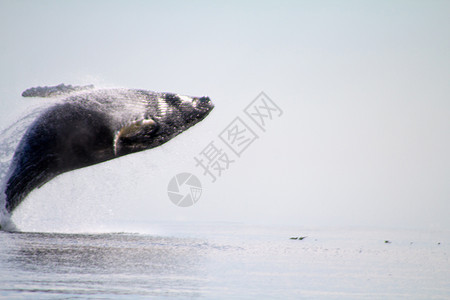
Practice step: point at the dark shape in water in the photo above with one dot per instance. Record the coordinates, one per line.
(93, 126)
(298, 238)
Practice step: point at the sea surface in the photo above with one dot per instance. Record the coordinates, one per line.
(227, 260)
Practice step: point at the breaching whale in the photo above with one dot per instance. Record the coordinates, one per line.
(90, 126)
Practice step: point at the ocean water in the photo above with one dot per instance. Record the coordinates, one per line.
(72, 246)
(226, 260)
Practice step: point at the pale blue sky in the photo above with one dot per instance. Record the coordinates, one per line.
(364, 140)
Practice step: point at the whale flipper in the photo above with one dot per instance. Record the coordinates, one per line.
(133, 135)
(53, 91)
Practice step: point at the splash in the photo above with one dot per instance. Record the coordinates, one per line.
(10, 138)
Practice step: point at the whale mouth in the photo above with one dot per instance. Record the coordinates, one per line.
(204, 99)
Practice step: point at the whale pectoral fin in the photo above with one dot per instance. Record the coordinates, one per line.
(54, 91)
(134, 136)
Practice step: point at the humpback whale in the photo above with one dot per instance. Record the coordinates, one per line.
(90, 126)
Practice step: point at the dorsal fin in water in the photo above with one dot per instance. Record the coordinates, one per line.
(54, 91)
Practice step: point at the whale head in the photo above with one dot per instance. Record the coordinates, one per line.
(167, 115)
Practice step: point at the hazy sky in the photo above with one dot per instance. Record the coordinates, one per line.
(364, 87)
